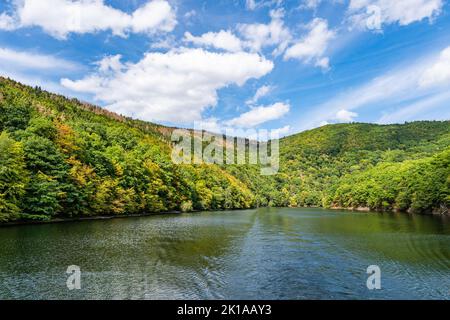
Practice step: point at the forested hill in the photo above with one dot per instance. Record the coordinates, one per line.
(63, 158)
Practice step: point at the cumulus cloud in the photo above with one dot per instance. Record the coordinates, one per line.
(225, 40)
(261, 92)
(439, 72)
(274, 34)
(253, 37)
(110, 64)
(176, 86)
(345, 116)
(372, 14)
(62, 17)
(312, 47)
(260, 115)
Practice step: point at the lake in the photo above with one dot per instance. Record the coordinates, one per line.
(251, 254)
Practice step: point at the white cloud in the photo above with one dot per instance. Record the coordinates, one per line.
(215, 125)
(373, 14)
(26, 60)
(250, 4)
(345, 116)
(417, 110)
(156, 15)
(33, 80)
(6, 22)
(253, 4)
(261, 92)
(274, 34)
(176, 86)
(312, 47)
(396, 87)
(281, 132)
(212, 124)
(62, 17)
(166, 42)
(190, 14)
(35, 69)
(310, 4)
(439, 72)
(259, 115)
(221, 40)
(323, 63)
(110, 64)
(379, 90)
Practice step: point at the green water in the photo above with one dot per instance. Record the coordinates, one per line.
(252, 254)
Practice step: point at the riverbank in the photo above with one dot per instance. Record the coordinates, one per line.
(80, 219)
(435, 212)
(439, 213)
(103, 217)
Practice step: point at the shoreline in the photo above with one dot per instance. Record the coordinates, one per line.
(81, 219)
(110, 217)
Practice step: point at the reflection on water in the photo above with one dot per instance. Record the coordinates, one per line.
(252, 254)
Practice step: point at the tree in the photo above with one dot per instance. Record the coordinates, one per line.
(43, 127)
(13, 177)
(14, 117)
(49, 177)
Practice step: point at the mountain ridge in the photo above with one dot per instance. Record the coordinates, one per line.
(65, 158)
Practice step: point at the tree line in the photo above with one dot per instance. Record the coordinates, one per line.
(60, 157)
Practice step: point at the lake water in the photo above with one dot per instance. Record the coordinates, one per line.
(252, 254)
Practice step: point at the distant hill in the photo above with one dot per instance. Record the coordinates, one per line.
(61, 157)
(340, 138)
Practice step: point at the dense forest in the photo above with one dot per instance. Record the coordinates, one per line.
(63, 158)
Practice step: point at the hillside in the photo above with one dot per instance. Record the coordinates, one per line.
(381, 167)
(60, 157)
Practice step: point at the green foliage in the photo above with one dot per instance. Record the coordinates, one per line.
(14, 117)
(43, 127)
(13, 177)
(390, 167)
(43, 194)
(186, 206)
(34, 217)
(64, 158)
(414, 185)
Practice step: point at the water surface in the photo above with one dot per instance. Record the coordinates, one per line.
(252, 254)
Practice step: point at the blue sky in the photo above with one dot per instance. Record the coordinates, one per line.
(273, 64)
